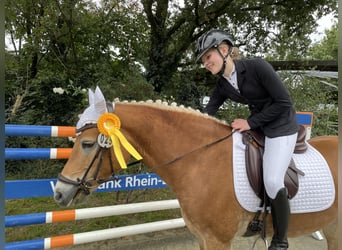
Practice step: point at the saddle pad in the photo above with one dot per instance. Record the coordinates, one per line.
(316, 189)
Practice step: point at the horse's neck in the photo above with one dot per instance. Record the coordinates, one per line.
(162, 134)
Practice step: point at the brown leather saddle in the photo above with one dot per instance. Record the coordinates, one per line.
(255, 142)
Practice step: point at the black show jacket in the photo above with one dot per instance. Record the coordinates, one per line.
(262, 89)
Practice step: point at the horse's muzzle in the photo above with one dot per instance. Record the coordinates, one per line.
(66, 195)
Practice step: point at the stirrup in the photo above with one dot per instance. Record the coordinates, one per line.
(263, 239)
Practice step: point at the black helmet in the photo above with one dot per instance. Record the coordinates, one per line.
(211, 39)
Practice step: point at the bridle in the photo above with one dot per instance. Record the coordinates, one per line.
(85, 184)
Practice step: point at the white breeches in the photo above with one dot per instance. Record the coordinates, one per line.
(277, 157)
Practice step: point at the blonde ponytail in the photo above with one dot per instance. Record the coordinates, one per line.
(235, 54)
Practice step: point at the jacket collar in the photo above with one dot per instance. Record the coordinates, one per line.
(240, 70)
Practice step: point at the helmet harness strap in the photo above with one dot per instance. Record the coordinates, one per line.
(224, 58)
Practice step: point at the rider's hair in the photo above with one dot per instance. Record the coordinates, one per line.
(235, 54)
(234, 51)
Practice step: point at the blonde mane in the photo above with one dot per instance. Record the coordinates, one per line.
(173, 107)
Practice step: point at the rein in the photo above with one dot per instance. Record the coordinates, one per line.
(193, 151)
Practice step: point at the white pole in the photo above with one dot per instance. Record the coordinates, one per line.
(106, 234)
(127, 231)
(96, 212)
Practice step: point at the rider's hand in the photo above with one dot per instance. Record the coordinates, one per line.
(240, 125)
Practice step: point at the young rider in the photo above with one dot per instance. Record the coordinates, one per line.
(255, 83)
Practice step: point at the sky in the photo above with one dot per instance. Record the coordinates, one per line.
(323, 23)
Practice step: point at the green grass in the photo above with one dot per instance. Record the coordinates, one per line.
(46, 204)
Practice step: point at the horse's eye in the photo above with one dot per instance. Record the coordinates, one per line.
(88, 144)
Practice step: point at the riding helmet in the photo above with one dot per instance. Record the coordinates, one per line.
(210, 39)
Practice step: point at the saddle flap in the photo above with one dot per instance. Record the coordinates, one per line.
(253, 158)
(291, 180)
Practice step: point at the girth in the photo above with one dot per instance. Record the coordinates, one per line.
(255, 142)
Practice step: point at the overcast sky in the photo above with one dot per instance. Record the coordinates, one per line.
(324, 23)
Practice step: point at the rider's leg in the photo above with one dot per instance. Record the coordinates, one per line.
(277, 157)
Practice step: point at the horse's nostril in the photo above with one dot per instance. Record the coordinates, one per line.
(58, 196)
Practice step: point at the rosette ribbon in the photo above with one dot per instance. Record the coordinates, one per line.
(109, 125)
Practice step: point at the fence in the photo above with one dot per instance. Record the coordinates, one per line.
(44, 187)
(87, 213)
(37, 188)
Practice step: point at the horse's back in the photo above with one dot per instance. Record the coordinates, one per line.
(328, 147)
(324, 140)
(306, 222)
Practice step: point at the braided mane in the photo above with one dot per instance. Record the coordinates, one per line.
(173, 107)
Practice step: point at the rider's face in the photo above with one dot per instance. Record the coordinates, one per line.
(212, 60)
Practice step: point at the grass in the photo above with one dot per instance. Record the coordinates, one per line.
(45, 204)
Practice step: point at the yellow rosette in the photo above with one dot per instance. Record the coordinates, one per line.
(109, 124)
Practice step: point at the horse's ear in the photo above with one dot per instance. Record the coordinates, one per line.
(90, 97)
(99, 101)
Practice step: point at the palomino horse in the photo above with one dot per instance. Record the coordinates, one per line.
(192, 153)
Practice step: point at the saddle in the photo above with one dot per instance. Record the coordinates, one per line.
(255, 142)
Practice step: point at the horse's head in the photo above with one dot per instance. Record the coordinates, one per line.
(96, 154)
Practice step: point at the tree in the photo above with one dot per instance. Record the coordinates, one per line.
(327, 48)
(254, 25)
(68, 45)
(70, 41)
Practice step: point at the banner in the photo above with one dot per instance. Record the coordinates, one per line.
(18, 189)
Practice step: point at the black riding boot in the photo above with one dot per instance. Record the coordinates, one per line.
(280, 210)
